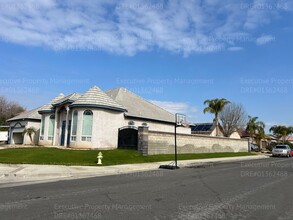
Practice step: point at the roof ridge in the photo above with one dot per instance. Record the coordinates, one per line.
(148, 101)
(28, 114)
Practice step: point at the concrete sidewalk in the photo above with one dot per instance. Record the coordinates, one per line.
(21, 174)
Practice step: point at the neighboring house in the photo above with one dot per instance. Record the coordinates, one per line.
(205, 129)
(290, 139)
(19, 123)
(210, 130)
(235, 135)
(98, 119)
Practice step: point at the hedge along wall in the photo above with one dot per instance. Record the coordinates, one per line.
(153, 142)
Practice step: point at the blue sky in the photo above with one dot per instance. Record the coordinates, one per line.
(174, 53)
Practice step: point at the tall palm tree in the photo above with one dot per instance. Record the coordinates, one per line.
(215, 106)
(30, 131)
(255, 129)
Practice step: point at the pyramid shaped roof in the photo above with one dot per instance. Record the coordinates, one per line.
(49, 106)
(95, 97)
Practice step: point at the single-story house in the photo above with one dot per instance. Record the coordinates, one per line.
(290, 139)
(19, 123)
(205, 129)
(100, 119)
(209, 129)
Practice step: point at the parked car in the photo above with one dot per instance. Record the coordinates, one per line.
(253, 147)
(281, 150)
(291, 152)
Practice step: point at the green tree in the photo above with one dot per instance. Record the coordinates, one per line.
(30, 131)
(255, 129)
(215, 106)
(281, 132)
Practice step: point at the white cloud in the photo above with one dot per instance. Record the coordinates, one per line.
(127, 27)
(265, 39)
(178, 107)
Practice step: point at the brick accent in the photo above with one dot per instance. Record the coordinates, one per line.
(143, 140)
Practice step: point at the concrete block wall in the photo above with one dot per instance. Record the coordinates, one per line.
(164, 143)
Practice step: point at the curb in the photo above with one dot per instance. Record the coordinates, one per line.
(13, 177)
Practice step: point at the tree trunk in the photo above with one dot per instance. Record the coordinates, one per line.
(217, 124)
(31, 138)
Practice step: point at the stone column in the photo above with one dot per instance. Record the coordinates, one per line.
(143, 136)
(66, 126)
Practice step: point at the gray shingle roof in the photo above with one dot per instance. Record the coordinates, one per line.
(49, 106)
(32, 114)
(95, 97)
(70, 98)
(139, 107)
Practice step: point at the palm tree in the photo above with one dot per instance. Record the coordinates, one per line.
(215, 106)
(281, 131)
(260, 134)
(30, 131)
(255, 129)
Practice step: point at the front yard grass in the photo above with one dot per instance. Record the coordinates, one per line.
(43, 155)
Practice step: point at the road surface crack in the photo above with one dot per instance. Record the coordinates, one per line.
(217, 195)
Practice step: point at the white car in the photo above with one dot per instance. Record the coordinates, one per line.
(281, 150)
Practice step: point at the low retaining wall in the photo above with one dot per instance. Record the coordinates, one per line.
(153, 142)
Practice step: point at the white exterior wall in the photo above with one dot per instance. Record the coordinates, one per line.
(106, 124)
(35, 137)
(105, 129)
(19, 131)
(157, 126)
(45, 140)
(235, 135)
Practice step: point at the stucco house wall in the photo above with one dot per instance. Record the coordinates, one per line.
(158, 126)
(235, 135)
(17, 128)
(43, 140)
(105, 129)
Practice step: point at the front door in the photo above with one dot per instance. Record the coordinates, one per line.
(63, 132)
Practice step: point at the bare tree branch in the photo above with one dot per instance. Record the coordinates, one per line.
(8, 109)
(233, 117)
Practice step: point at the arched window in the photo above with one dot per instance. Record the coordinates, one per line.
(87, 125)
(74, 125)
(51, 127)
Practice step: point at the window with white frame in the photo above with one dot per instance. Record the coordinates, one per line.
(74, 126)
(51, 127)
(43, 127)
(87, 125)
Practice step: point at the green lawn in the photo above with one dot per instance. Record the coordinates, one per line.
(42, 155)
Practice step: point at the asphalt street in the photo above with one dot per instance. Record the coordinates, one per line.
(258, 189)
